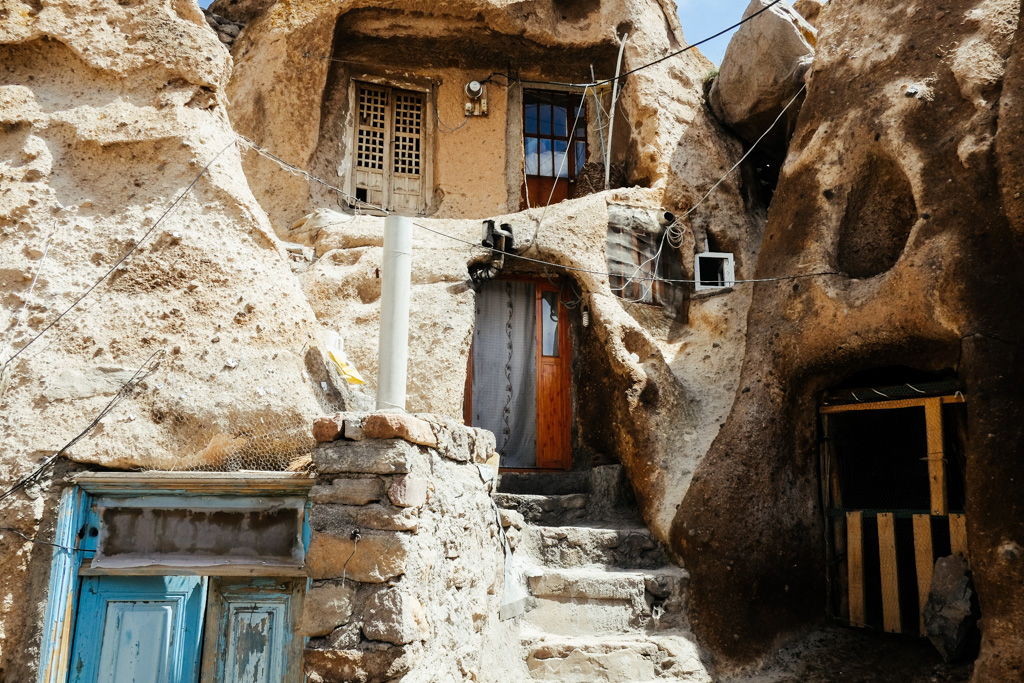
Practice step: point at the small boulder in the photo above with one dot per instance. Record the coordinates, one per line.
(950, 613)
(764, 68)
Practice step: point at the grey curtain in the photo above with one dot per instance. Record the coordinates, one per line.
(505, 370)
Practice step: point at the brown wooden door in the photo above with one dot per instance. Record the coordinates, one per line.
(554, 410)
(538, 190)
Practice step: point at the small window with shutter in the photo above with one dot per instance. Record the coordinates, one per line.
(390, 149)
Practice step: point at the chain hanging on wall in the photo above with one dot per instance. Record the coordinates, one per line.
(506, 413)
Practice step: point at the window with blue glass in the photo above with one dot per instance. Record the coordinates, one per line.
(554, 143)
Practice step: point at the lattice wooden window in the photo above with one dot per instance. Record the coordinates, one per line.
(408, 133)
(390, 149)
(373, 111)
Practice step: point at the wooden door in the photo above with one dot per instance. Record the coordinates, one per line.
(538, 190)
(554, 408)
(373, 140)
(144, 629)
(251, 633)
(407, 155)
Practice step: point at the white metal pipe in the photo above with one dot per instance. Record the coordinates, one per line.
(611, 116)
(393, 351)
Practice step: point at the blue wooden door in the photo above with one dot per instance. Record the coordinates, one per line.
(251, 634)
(138, 629)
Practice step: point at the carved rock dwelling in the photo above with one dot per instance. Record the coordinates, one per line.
(712, 375)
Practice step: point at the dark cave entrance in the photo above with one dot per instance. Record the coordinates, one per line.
(892, 473)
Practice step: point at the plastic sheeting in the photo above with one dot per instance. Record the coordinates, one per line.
(505, 369)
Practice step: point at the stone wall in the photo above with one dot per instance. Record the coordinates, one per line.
(406, 555)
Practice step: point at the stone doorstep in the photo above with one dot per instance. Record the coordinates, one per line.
(665, 657)
(596, 601)
(594, 584)
(569, 501)
(629, 546)
(544, 509)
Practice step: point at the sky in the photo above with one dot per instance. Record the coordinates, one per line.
(700, 19)
(703, 18)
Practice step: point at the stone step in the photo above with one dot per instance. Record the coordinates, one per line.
(596, 601)
(625, 659)
(544, 483)
(541, 509)
(625, 544)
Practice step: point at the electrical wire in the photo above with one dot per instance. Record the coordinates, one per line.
(676, 240)
(144, 371)
(66, 548)
(444, 127)
(477, 245)
(28, 295)
(125, 257)
(597, 84)
(571, 135)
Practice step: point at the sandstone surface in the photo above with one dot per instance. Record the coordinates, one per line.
(107, 115)
(901, 181)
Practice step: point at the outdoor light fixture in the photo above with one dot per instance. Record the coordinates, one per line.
(476, 92)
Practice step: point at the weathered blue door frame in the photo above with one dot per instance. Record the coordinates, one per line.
(138, 628)
(78, 529)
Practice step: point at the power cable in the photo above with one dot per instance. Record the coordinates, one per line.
(477, 245)
(144, 371)
(38, 541)
(125, 257)
(676, 240)
(606, 81)
(595, 84)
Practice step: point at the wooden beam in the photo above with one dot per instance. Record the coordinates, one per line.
(891, 405)
(855, 567)
(936, 456)
(958, 536)
(890, 573)
(925, 561)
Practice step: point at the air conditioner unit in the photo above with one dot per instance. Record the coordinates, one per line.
(713, 270)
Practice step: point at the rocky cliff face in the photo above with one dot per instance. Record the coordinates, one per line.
(902, 187)
(653, 387)
(107, 114)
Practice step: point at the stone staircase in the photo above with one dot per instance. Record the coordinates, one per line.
(607, 603)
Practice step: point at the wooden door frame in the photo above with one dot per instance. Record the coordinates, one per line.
(425, 87)
(562, 460)
(849, 573)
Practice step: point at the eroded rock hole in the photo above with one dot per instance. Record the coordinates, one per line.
(880, 212)
(576, 10)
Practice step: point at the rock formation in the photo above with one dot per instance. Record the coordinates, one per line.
(900, 202)
(641, 368)
(106, 117)
(897, 227)
(764, 68)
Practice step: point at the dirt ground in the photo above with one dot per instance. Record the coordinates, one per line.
(844, 655)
